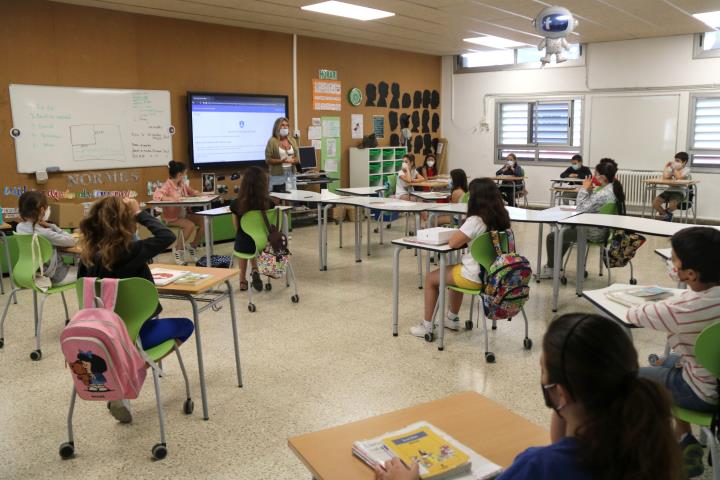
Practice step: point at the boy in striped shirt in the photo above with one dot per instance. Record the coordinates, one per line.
(695, 261)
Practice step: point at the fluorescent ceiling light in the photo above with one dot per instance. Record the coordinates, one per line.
(712, 19)
(342, 9)
(494, 42)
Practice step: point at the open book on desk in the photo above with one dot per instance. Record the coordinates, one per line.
(635, 296)
(166, 276)
(440, 456)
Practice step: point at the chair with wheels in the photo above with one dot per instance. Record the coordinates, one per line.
(688, 205)
(608, 209)
(137, 300)
(483, 252)
(253, 224)
(707, 355)
(24, 279)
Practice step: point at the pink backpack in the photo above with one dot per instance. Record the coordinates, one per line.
(106, 364)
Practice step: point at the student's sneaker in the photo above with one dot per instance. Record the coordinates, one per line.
(179, 256)
(692, 456)
(545, 273)
(256, 281)
(421, 329)
(668, 217)
(120, 409)
(450, 323)
(192, 251)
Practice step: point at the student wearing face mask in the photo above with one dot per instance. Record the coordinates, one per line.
(511, 189)
(281, 150)
(407, 177)
(695, 260)
(428, 169)
(576, 169)
(678, 169)
(35, 213)
(607, 423)
(596, 192)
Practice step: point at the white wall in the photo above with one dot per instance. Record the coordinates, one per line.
(635, 65)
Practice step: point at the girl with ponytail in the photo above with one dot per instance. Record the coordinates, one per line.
(607, 423)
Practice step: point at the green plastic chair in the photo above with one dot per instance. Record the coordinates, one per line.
(708, 355)
(253, 224)
(24, 278)
(391, 185)
(137, 300)
(483, 252)
(465, 198)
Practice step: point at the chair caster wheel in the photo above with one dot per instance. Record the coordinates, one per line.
(429, 337)
(188, 406)
(563, 280)
(67, 450)
(489, 357)
(268, 286)
(468, 325)
(2, 342)
(159, 451)
(633, 281)
(527, 343)
(295, 299)
(251, 307)
(36, 355)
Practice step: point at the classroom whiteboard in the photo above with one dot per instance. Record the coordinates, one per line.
(89, 128)
(638, 131)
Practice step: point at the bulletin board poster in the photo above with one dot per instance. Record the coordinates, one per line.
(327, 95)
(330, 153)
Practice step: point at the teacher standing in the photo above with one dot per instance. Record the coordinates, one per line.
(280, 150)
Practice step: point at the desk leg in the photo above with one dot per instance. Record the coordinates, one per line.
(6, 247)
(381, 226)
(358, 247)
(201, 365)
(539, 252)
(321, 236)
(208, 239)
(326, 210)
(236, 339)
(369, 229)
(396, 288)
(441, 334)
(557, 264)
(581, 247)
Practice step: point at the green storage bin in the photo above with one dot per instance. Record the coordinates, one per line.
(375, 154)
(399, 152)
(398, 166)
(388, 167)
(389, 154)
(375, 180)
(375, 167)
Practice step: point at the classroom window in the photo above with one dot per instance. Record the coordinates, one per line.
(546, 131)
(704, 137)
(513, 58)
(706, 45)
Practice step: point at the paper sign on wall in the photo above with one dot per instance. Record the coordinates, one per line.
(314, 133)
(331, 126)
(356, 125)
(317, 144)
(379, 126)
(326, 94)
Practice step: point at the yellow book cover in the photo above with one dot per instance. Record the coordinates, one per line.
(435, 455)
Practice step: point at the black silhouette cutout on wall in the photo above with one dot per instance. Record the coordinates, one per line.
(395, 91)
(427, 142)
(370, 94)
(426, 98)
(393, 120)
(415, 121)
(425, 121)
(435, 122)
(417, 144)
(382, 94)
(417, 99)
(406, 100)
(435, 99)
(394, 140)
(404, 120)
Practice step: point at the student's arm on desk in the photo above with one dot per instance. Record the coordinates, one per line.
(162, 237)
(654, 315)
(458, 240)
(395, 469)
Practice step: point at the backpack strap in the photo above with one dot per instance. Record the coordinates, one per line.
(511, 240)
(89, 292)
(36, 251)
(496, 242)
(108, 292)
(267, 222)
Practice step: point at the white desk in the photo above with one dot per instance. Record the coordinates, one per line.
(634, 224)
(431, 196)
(220, 211)
(664, 253)
(204, 202)
(613, 309)
(362, 191)
(442, 251)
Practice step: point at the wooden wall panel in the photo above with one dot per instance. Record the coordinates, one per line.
(49, 43)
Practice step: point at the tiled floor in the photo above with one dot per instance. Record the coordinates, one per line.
(326, 361)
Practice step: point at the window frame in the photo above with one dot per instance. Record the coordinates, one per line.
(694, 97)
(579, 62)
(498, 147)
(698, 52)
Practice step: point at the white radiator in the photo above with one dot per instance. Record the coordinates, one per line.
(632, 182)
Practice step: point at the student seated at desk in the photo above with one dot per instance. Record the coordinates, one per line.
(110, 250)
(607, 422)
(428, 170)
(174, 189)
(486, 212)
(406, 177)
(695, 260)
(512, 189)
(589, 200)
(678, 169)
(35, 212)
(253, 195)
(458, 186)
(576, 169)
